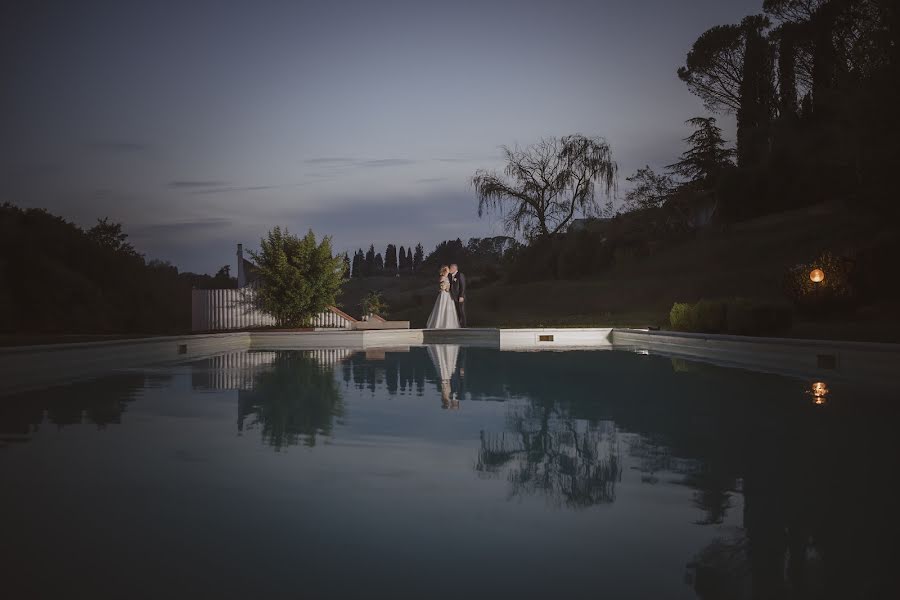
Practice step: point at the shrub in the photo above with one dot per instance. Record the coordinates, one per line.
(833, 294)
(299, 278)
(680, 317)
(374, 304)
(736, 316)
(709, 316)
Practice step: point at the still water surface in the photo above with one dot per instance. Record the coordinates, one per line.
(448, 472)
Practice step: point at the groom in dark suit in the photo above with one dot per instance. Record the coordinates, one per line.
(458, 293)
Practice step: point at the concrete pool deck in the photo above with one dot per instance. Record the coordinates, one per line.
(25, 368)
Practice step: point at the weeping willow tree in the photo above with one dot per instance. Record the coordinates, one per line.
(545, 185)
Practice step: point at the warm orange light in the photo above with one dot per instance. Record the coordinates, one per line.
(819, 390)
(817, 275)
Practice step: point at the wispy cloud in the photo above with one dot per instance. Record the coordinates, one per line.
(329, 160)
(386, 162)
(118, 146)
(246, 188)
(196, 184)
(455, 160)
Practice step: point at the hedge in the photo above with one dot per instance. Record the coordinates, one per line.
(735, 316)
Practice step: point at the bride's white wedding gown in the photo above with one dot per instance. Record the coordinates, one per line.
(443, 315)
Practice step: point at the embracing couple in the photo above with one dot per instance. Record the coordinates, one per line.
(449, 310)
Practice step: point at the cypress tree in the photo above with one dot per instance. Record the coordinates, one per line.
(369, 268)
(418, 257)
(390, 259)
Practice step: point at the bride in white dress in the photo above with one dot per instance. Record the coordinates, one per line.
(443, 315)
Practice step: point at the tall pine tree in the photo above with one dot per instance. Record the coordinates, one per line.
(706, 157)
(401, 260)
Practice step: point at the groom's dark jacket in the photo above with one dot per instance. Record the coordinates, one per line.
(457, 286)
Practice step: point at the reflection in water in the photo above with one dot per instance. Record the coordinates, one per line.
(572, 462)
(819, 390)
(292, 401)
(100, 402)
(445, 358)
(799, 502)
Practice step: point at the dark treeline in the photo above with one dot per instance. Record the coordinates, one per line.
(478, 256)
(58, 277)
(481, 256)
(393, 262)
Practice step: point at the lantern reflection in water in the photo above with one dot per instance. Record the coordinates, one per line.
(819, 390)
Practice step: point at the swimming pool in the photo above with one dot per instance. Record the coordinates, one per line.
(449, 471)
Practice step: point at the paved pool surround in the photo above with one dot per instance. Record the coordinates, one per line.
(33, 367)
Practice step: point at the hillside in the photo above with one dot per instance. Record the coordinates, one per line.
(749, 259)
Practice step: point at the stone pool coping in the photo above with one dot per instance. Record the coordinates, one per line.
(24, 368)
(828, 360)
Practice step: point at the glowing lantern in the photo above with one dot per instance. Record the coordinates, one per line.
(819, 390)
(817, 275)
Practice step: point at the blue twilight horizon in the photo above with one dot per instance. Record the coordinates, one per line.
(200, 125)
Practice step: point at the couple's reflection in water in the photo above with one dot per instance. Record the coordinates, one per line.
(450, 373)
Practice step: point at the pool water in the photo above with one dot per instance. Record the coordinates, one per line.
(449, 472)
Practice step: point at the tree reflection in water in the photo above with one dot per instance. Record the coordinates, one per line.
(100, 402)
(293, 402)
(574, 462)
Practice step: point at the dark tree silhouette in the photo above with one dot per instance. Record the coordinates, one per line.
(347, 270)
(714, 67)
(650, 189)
(401, 260)
(359, 260)
(547, 184)
(417, 258)
(379, 264)
(369, 266)
(222, 279)
(706, 157)
(390, 259)
(757, 94)
(70, 280)
(109, 235)
(730, 68)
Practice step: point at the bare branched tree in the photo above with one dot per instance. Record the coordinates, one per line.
(547, 184)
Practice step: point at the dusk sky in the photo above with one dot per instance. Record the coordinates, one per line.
(202, 124)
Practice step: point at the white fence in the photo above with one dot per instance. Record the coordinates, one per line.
(222, 310)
